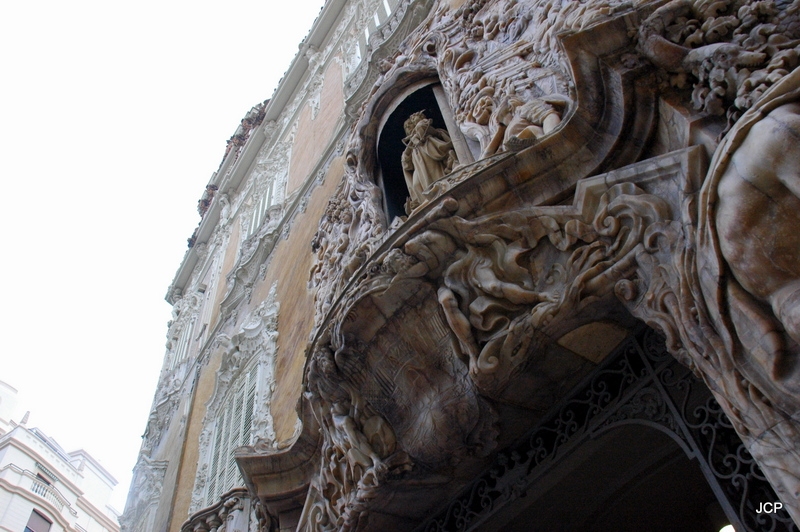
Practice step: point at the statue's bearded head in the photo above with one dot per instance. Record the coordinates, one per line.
(412, 121)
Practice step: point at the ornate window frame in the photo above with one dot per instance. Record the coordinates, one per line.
(244, 385)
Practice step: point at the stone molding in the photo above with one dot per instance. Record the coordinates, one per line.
(144, 495)
(474, 289)
(256, 344)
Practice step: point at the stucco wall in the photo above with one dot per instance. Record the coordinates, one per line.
(290, 266)
(314, 134)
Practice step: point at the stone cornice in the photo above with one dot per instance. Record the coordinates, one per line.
(39, 458)
(283, 94)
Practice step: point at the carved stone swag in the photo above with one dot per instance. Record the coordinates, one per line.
(438, 342)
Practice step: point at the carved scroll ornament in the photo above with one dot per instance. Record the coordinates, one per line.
(485, 286)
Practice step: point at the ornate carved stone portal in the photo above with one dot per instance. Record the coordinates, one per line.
(600, 197)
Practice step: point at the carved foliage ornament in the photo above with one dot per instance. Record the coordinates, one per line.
(729, 52)
(644, 240)
(252, 348)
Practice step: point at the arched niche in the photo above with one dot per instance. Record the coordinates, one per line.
(376, 148)
(425, 96)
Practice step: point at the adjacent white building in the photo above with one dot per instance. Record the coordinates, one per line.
(43, 488)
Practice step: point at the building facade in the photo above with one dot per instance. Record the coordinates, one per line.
(44, 488)
(496, 265)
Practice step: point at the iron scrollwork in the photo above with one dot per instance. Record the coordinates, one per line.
(641, 383)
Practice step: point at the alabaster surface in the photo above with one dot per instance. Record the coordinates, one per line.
(597, 165)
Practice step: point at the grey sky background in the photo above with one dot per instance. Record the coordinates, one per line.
(113, 117)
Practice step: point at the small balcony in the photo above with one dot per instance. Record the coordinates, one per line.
(28, 480)
(47, 492)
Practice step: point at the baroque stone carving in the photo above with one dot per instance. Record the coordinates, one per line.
(257, 338)
(254, 251)
(350, 230)
(358, 449)
(501, 65)
(147, 484)
(509, 283)
(443, 47)
(750, 281)
(730, 52)
(361, 74)
(429, 155)
(231, 514)
(430, 333)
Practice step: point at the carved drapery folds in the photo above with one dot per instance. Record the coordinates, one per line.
(428, 157)
(436, 337)
(748, 252)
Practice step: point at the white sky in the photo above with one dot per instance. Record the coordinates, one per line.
(113, 116)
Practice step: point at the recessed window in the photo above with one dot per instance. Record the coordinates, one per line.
(234, 427)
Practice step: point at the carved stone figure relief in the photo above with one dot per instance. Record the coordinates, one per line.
(429, 155)
(729, 52)
(501, 62)
(750, 279)
(436, 337)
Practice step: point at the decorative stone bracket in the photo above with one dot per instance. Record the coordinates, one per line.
(440, 339)
(463, 318)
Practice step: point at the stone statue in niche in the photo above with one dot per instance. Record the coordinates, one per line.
(428, 157)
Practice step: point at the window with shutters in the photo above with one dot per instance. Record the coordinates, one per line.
(238, 411)
(260, 210)
(233, 428)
